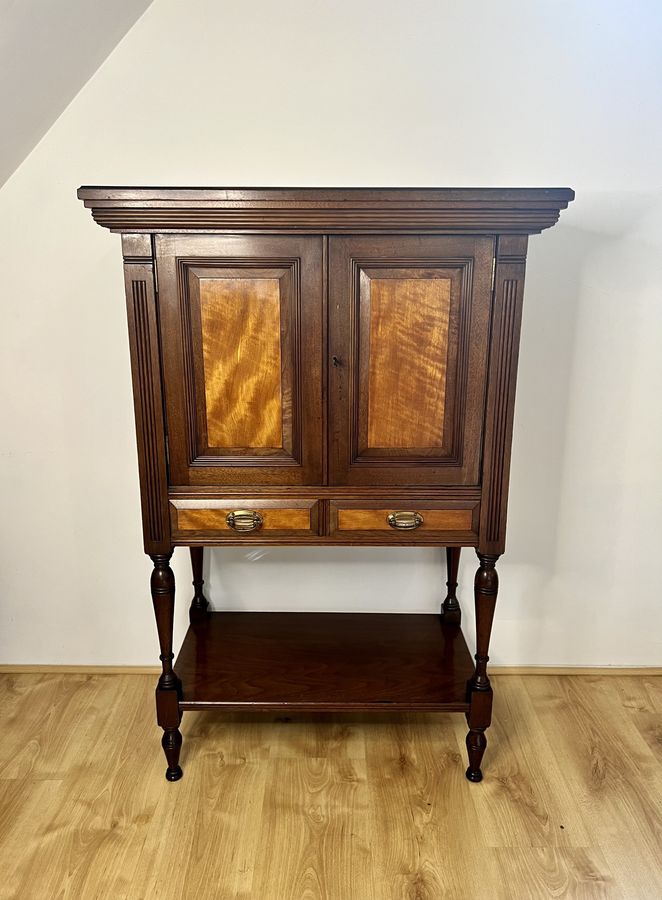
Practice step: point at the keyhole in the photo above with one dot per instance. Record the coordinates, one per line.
(335, 361)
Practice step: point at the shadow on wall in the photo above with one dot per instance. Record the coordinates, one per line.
(588, 435)
(547, 350)
(551, 301)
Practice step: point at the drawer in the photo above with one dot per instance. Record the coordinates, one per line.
(236, 519)
(398, 521)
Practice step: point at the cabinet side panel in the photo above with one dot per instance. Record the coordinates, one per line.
(502, 379)
(148, 404)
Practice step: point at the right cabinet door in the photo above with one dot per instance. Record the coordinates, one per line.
(409, 324)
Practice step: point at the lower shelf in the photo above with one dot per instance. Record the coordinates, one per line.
(324, 661)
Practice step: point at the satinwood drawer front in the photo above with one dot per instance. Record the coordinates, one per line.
(418, 521)
(243, 520)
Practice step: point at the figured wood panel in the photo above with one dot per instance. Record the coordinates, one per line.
(241, 358)
(290, 518)
(377, 519)
(241, 347)
(215, 519)
(408, 349)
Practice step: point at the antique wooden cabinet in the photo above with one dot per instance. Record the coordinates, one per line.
(332, 366)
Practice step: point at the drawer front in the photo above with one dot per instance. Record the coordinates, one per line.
(243, 520)
(398, 521)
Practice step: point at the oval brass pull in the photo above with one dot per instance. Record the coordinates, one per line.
(244, 520)
(405, 520)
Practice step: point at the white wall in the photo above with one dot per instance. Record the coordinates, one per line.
(351, 93)
(70, 39)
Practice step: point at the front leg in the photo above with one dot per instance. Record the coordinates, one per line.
(168, 689)
(486, 587)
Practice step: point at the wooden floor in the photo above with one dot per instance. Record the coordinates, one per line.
(337, 807)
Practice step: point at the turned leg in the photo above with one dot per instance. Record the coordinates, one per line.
(486, 586)
(172, 744)
(450, 608)
(199, 603)
(168, 688)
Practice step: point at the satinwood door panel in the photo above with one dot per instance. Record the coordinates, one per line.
(408, 344)
(241, 333)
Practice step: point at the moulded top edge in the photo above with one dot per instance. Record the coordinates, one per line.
(555, 195)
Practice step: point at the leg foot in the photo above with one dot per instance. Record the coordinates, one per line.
(450, 608)
(172, 744)
(476, 744)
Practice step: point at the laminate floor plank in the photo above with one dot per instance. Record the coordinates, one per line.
(202, 838)
(560, 872)
(30, 706)
(422, 829)
(318, 736)
(612, 773)
(331, 806)
(514, 804)
(653, 687)
(314, 834)
(236, 736)
(91, 845)
(58, 729)
(639, 699)
(26, 808)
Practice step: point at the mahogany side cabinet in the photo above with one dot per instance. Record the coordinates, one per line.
(324, 367)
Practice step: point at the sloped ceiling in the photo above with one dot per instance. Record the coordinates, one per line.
(48, 51)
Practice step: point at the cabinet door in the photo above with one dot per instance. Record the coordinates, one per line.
(241, 336)
(408, 350)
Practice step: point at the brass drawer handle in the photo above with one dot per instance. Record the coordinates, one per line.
(244, 520)
(406, 520)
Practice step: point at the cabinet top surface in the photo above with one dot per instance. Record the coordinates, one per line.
(515, 210)
(321, 195)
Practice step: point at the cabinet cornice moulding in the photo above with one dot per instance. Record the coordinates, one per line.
(268, 210)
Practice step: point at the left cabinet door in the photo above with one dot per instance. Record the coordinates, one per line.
(241, 342)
